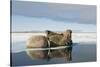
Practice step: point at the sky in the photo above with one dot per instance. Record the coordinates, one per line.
(41, 16)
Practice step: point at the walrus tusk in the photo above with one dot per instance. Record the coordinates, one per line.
(51, 48)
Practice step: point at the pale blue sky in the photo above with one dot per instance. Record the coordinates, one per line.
(37, 16)
(22, 23)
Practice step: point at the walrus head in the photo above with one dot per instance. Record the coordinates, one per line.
(63, 38)
(67, 36)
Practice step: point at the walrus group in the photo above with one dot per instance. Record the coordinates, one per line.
(52, 39)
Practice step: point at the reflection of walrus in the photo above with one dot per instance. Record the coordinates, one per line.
(59, 53)
(51, 40)
(65, 53)
(38, 54)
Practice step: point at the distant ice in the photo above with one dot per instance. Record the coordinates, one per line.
(76, 37)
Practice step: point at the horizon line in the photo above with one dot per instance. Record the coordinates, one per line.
(44, 32)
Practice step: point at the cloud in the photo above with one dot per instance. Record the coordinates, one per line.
(61, 12)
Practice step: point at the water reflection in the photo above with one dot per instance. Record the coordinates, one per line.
(65, 53)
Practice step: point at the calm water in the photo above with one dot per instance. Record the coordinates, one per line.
(80, 52)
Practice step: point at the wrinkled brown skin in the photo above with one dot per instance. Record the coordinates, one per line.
(37, 42)
(60, 39)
